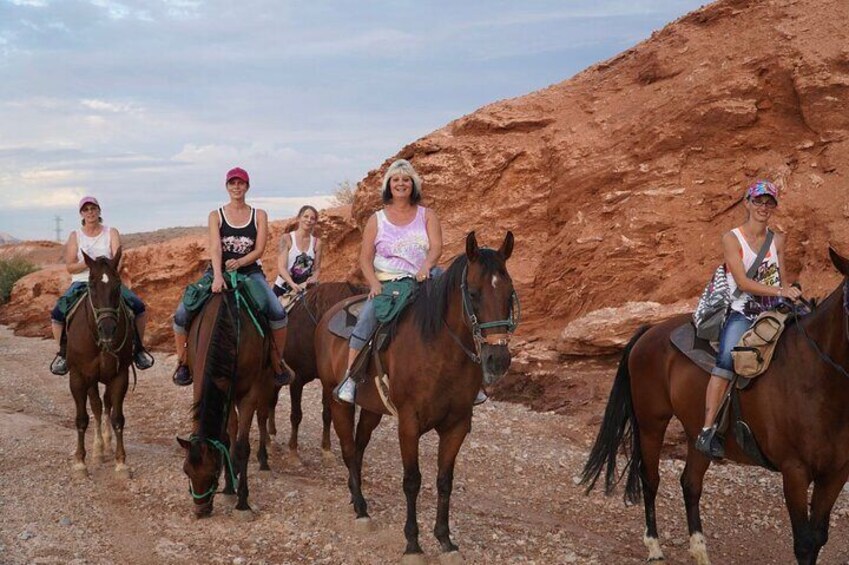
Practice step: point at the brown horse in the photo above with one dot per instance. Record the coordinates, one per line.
(452, 339)
(299, 354)
(100, 349)
(233, 380)
(798, 411)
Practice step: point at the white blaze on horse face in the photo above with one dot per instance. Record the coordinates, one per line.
(104, 279)
(494, 281)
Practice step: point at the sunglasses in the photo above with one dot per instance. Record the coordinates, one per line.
(762, 201)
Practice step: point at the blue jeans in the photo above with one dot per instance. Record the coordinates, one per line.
(131, 298)
(275, 313)
(367, 321)
(735, 326)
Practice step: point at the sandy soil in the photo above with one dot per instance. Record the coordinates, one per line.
(515, 498)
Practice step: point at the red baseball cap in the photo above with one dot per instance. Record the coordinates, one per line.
(238, 173)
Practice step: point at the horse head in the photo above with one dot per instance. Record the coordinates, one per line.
(104, 292)
(491, 304)
(202, 465)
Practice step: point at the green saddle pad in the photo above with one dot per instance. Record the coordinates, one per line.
(68, 301)
(395, 296)
(197, 293)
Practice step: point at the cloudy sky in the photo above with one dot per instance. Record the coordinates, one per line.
(146, 104)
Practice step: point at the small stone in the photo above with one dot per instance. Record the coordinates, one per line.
(65, 521)
(26, 534)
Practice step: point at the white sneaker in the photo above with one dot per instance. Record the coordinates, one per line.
(346, 390)
(480, 398)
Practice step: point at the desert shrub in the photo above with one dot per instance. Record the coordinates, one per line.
(344, 193)
(10, 271)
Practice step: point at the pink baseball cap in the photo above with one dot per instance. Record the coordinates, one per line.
(238, 173)
(760, 188)
(88, 200)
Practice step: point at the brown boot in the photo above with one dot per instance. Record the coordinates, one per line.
(283, 374)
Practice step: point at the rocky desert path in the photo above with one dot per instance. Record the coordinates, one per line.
(515, 498)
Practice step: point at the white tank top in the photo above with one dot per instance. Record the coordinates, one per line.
(294, 258)
(98, 246)
(767, 274)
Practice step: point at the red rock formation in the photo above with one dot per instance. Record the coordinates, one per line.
(619, 181)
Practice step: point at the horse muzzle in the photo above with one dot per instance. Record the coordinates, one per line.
(495, 361)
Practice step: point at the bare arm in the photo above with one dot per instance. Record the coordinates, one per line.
(214, 244)
(367, 256)
(71, 248)
(316, 266)
(114, 245)
(434, 237)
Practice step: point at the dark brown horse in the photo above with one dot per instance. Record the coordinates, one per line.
(798, 411)
(299, 354)
(100, 348)
(233, 380)
(448, 343)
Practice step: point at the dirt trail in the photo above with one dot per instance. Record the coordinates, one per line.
(515, 498)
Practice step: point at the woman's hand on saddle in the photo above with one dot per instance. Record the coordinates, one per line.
(299, 287)
(375, 289)
(231, 264)
(792, 293)
(312, 281)
(217, 283)
(423, 274)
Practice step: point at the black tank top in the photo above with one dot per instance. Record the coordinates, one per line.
(236, 242)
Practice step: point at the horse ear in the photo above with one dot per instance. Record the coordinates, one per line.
(88, 260)
(839, 261)
(506, 248)
(116, 260)
(184, 443)
(472, 247)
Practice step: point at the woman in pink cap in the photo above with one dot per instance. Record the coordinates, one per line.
(237, 237)
(96, 240)
(741, 248)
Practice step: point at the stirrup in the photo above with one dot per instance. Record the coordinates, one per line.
(143, 359)
(59, 365)
(346, 390)
(710, 444)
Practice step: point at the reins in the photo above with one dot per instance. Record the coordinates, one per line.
(823, 355)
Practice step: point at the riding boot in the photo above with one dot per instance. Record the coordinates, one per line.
(346, 390)
(182, 376)
(141, 357)
(283, 374)
(59, 366)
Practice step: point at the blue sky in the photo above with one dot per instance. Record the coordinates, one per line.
(146, 105)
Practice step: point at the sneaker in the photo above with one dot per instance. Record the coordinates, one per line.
(480, 398)
(142, 359)
(346, 390)
(709, 443)
(59, 366)
(182, 376)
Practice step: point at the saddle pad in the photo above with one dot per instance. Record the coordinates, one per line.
(696, 349)
(342, 323)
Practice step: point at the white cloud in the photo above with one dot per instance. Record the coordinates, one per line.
(286, 206)
(67, 197)
(107, 106)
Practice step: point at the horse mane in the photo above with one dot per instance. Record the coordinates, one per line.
(221, 357)
(431, 302)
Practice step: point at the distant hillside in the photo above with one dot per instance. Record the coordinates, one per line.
(6, 238)
(131, 240)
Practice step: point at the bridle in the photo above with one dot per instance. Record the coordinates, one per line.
(101, 314)
(476, 327)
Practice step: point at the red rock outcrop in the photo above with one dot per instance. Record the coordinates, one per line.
(618, 182)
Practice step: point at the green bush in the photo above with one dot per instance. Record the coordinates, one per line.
(10, 271)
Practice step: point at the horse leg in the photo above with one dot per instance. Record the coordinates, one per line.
(262, 452)
(408, 435)
(325, 424)
(272, 412)
(79, 392)
(692, 479)
(296, 390)
(450, 441)
(97, 411)
(825, 494)
(368, 422)
(343, 423)
(796, 482)
(107, 426)
(243, 452)
(651, 441)
(232, 430)
(117, 389)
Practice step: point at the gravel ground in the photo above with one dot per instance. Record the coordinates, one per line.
(515, 498)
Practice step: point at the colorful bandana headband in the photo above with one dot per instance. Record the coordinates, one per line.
(761, 187)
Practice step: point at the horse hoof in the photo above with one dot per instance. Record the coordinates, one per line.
(79, 471)
(123, 472)
(413, 559)
(364, 525)
(294, 459)
(451, 558)
(244, 515)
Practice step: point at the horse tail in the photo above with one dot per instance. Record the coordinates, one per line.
(219, 364)
(618, 428)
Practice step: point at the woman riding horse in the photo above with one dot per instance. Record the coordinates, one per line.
(299, 259)
(95, 240)
(237, 237)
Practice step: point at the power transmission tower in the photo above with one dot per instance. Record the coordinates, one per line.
(58, 220)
